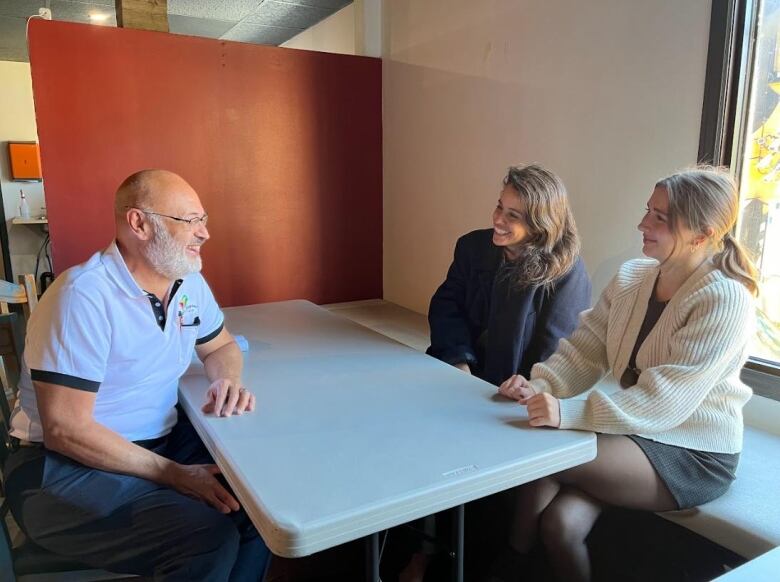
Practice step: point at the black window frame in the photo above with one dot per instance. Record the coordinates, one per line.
(727, 85)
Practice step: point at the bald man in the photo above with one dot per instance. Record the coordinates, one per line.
(109, 471)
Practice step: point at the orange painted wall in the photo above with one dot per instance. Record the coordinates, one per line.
(284, 147)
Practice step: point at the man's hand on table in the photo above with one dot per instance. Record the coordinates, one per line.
(227, 396)
(199, 482)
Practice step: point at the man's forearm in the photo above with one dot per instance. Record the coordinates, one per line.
(224, 362)
(101, 448)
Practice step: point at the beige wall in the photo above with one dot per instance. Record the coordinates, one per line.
(17, 123)
(607, 93)
(335, 34)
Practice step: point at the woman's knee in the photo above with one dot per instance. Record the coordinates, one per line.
(566, 522)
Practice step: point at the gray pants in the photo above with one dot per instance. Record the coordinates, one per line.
(131, 525)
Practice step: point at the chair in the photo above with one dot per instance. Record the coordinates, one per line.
(28, 562)
(25, 293)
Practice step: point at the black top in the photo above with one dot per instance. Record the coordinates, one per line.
(490, 324)
(655, 308)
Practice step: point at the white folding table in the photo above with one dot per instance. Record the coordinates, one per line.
(355, 433)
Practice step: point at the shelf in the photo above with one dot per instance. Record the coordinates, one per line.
(19, 220)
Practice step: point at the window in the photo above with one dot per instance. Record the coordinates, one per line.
(759, 176)
(741, 128)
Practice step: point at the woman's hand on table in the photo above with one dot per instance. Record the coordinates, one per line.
(517, 388)
(544, 410)
(463, 367)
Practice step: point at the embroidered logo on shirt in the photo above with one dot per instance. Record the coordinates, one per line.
(188, 312)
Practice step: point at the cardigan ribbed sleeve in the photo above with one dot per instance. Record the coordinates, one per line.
(711, 342)
(688, 393)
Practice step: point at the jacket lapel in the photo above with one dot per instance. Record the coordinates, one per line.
(487, 267)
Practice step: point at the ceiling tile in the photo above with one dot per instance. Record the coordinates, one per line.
(19, 8)
(272, 13)
(109, 3)
(331, 5)
(229, 10)
(198, 26)
(260, 34)
(80, 11)
(260, 21)
(13, 45)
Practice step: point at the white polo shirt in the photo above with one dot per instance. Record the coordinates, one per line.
(95, 329)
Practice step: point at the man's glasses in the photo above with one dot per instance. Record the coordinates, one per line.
(192, 222)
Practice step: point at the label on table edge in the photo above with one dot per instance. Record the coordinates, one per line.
(460, 471)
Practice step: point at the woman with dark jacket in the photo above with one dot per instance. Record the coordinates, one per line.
(511, 292)
(514, 290)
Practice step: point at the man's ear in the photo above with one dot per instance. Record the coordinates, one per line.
(138, 223)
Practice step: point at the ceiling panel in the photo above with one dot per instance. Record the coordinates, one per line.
(19, 8)
(109, 3)
(80, 11)
(256, 21)
(274, 13)
(13, 45)
(230, 10)
(260, 34)
(198, 26)
(331, 5)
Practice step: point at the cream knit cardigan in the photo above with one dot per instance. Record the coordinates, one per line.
(689, 393)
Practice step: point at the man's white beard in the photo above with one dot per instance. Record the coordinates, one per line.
(167, 256)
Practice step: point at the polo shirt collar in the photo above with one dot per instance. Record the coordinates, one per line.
(117, 269)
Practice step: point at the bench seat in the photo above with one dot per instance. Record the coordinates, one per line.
(746, 519)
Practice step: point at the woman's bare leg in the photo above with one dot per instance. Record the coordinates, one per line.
(564, 527)
(620, 475)
(530, 501)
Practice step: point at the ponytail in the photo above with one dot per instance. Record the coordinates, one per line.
(705, 200)
(734, 262)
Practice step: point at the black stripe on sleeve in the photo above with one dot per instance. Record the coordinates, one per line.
(211, 336)
(65, 380)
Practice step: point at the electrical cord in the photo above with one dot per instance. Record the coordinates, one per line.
(44, 12)
(43, 249)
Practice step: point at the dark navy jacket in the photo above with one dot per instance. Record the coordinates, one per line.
(523, 325)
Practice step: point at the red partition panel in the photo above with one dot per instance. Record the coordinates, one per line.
(283, 146)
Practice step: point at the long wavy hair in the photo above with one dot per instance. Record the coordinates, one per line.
(707, 197)
(552, 245)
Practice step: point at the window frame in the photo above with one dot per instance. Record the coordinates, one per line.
(727, 91)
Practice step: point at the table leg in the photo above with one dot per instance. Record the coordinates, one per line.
(372, 558)
(458, 514)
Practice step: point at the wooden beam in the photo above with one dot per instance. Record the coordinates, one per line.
(142, 14)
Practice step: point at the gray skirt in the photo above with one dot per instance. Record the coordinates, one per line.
(693, 477)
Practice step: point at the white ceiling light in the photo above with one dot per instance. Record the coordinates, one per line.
(98, 17)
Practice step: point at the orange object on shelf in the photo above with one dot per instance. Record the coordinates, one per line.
(25, 161)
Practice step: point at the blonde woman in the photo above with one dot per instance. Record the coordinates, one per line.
(673, 329)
